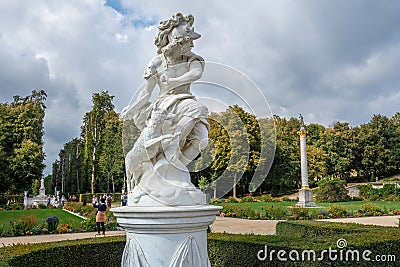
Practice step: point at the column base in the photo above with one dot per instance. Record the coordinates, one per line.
(305, 198)
(165, 236)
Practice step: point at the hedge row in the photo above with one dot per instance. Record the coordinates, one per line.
(17, 198)
(226, 249)
(105, 251)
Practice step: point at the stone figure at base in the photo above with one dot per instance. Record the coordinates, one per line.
(173, 127)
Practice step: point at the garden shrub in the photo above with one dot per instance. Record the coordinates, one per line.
(228, 209)
(84, 252)
(298, 213)
(89, 224)
(41, 206)
(80, 208)
(266, 198)
(232, 200)
(391, 198)
(223, 249)
(216, 201)
(389, 192)
(369, 193)
(15, 206)
(370, 209)
(246, 212)
(12, 197)
(275, 212)
(303, 229)
(332, 191)
(248, 199)
(63, 228)
(337, 211)
(23, 225)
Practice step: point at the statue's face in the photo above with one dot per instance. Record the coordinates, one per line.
(186, 47)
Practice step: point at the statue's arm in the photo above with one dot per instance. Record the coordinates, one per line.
(144, 93)
(140, 100)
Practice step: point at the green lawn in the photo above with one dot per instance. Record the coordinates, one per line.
(350, 206)
(40, 216)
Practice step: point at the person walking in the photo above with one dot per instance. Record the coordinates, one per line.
(124, 199)
(101, 216)
(109, 200)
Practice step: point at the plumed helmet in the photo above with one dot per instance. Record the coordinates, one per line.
(183, 32)
(175, 29)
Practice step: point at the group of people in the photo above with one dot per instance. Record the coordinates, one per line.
(55, 201)
(107, 198)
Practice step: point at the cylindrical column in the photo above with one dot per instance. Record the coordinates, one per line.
(303, 157)
(165, 236)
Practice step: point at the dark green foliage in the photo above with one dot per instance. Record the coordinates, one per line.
(275, 213)
(95, 161)
(332, 191)
(21, 144)
(389, 192)
(87, 252)
(302, 229)
(224, 249)
(337, 211)
(10, 197)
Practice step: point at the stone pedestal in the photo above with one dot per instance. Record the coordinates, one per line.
(42, 190)
(165, 236)
(305, 198)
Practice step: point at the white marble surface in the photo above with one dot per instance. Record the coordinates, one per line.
(166, 236)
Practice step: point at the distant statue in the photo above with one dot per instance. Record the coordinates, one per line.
(174, 126)
(301, 120)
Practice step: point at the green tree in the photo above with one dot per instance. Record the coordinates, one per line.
(317, 162)
(93, 134)
(284, 175)
(332, 190)
(112, 156)
(21, 144)
(27, 163)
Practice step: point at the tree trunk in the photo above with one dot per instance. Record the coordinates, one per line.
(234, 186)
(93, 182)
(124, 186)
(77, 169)
(113, 185)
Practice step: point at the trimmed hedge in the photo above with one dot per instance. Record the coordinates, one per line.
(5, 197)
(225, 249)
(102, 251)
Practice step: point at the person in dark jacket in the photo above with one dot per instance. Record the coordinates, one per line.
(101, 216)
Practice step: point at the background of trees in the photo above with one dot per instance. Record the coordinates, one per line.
(21, 142)
(94, 161)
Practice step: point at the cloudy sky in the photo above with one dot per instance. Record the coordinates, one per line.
(329, 60)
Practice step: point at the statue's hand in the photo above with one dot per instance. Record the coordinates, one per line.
(124, 113)
(164, 78)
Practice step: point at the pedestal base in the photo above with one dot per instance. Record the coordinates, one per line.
(305, 198)
(165, 236)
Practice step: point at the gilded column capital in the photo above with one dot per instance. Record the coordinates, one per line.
(302, 132)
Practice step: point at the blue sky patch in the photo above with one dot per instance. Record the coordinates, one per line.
(116, 5)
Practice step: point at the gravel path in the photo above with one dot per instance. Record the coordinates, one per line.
(221, 225)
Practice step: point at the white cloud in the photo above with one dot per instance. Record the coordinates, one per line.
(329, 60)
